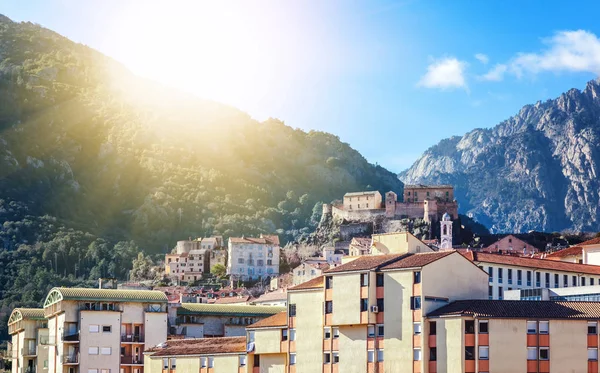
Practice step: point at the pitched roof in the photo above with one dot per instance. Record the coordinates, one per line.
(593, 241)
(19, 314)
(390, 261)
(264, 239)
(232, 300)
(111, 295)
(569, 251)
(352, 194)
(227, 309)
(520, 309)
(417, 260)
(422, 186)
(202, 346)
(553, 265)
(272, 296)
(277, 320)
(315, 283)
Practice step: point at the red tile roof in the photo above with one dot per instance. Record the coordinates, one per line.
(552, 265)
(263, 239)
(417, 260)
(593, 241)
(277, 320)
(231, 300)
(390, 261)
(520, 309)
(221, 345)
(569, 251)
(315, 283)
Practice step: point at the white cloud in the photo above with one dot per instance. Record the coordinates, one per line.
(495, 74)
(484, 59)
(446, 73)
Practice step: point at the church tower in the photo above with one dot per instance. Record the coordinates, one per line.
(446, 232)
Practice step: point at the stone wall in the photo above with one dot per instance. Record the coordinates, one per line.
(349, 231)
(363, 215)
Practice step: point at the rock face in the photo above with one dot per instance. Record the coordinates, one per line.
(535, 171)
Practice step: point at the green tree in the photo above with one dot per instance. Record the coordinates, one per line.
(142, 268)
(219, 270)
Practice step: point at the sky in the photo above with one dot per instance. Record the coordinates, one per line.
(391, 78)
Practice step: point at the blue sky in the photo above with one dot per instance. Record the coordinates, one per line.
(391, 78)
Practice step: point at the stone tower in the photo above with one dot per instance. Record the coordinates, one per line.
(446, 232)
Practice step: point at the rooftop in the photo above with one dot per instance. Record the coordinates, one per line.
(264, 239)
(417, 260)
(353, 194)
(422, 186)
(593, 241)
(277, 320)
(227, 309)
(19, 314)
(109, 295)
(390, 261)
(569, 251)
(507, 309)
(202, 346)
(315, 283)
(553, 265)
(272, 296)
(233, 300)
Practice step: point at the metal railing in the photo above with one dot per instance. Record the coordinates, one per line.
(29, 351)
(71, 359)
(132, 338)
(29, 370)
(70, 337)
(132, 360)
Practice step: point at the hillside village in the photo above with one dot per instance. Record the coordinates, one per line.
(231, 303)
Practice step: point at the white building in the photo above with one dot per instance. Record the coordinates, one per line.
(28, 329)
(252, 258)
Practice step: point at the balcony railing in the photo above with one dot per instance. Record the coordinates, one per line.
(71, 359)
(70, 337)
(132, 338)
(28, 351)
(29, 370)
(132, 360)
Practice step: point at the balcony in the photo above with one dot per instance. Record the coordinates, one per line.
(28, 351)
(132, 360)
(29, 370)
(71, 359)
(135, 338)
(71, 338)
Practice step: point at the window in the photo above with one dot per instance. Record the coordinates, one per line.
(528, 278)
(292, 359)
(544, 325)
(500, 275)
(292, 309)
(531, 327)
(547, 280)
(94, 328)
(593, 354)
(328, 282)
(592, 327)
(415, 303)
(432, 328)
(211, 361)
(379, 279)
(484, 352)
(92, 370)
(371, 356)
(500, 293)
(329, 306)
(509, 272)
(242, 360)
(93, 351)
(106, 328)
(544, 353)
(380, 330)
(417, 328)
(106, 351)
(251, 336)
(364, 279)
(531, 353)
(203, 361)
(470, 353)
(490, 292)
(583, 281)
(491, 273)
(483, 326)
(519, 277)
(417, 277)
(336, 357)
(165, 363)
(556, 281)
(417, 354)
(574, 280)
(371, 331)
(284, 334)
(565, 281)
(292, 334)
(256, 361)
(45, 364)
(432, 354)
(380, 304)
(379, 354)
(270, 262)
(326, 332)
(364, 305)
(469, 327)
(537, 279)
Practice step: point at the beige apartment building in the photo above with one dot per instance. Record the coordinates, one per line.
(103, 330)
(28, 329)
(397, 243)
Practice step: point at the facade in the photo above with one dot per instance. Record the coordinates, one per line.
(189, 266)
(421, 193)
(102, 330)
(360, 246)
(28, 329)
(507, 272)
(591, 251)
(218, 256)
(397, 243)
(587, 252)
(511, 244)
(307, 271)
(253, 258)
(268, 343)
(276, 298)
(362, 201)
(200, 320)
(208, 355)
(446, 232)
(579, 293)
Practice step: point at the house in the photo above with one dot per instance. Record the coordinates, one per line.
(511, 244)
(362, 201)
(253, 258)
(397, 243)
(360, 246)
(308, 270)
(276, 298)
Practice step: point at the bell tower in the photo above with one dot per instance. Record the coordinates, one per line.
(446, 232)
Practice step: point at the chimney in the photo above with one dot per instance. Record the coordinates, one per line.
(100, 283)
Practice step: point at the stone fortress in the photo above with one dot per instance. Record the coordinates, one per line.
(427, 202)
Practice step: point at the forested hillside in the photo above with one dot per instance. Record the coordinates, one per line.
(96, 164)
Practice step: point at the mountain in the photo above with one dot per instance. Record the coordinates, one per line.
(97, 164)
(538, 170)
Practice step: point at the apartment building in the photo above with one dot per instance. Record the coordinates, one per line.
(188, 266)
(103, 330)
(397, 243)
(28, 329)
(252, 258)
(269, 342)
(207, 355)
(507, 272)
(587, 252)
(308, 270)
